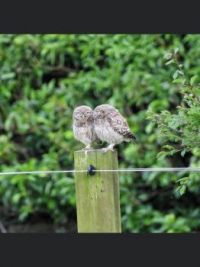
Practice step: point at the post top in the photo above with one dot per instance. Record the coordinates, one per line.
(95, 151)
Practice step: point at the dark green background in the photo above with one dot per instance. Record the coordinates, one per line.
(42, 79)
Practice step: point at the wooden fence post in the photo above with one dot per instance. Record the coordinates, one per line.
(97, 196)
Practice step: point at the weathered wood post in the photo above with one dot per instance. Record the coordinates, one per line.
(97, 196)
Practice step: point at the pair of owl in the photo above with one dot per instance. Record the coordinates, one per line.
(104, 123)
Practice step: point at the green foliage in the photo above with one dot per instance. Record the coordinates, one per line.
(42, 79)
(179, 129)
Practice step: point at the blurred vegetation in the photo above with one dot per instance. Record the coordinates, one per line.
(151, 79)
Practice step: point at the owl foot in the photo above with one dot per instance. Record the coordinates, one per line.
(88, 147)
(108, 148)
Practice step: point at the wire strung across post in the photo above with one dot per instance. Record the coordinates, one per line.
(155, 169)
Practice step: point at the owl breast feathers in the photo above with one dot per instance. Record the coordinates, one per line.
(110, 126)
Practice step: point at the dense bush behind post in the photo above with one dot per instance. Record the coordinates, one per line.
(42, 79)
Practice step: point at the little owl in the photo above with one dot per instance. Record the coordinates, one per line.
(111, 127)
(83, 126)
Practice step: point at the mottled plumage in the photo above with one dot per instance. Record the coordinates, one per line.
(83, 126)
(110, 126)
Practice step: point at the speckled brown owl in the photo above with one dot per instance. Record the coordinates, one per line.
(83, 126)
(110, 126)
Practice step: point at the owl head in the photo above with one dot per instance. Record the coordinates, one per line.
(83, 114)
(100, 112)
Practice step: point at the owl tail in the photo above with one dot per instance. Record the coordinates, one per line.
(134, 138)
(131, 137)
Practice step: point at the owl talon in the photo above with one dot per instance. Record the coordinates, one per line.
(109, 148)
(88, 147)
(85, 149)
(104, 150)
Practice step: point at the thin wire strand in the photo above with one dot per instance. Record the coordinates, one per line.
(41, 172)
(176, 169)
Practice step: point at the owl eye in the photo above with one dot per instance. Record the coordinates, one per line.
(77, 116)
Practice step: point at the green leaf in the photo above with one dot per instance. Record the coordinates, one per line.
(183, 152)
(176, 50)
(7, 76)
(193, 79)
(182, 189)
(168, 56)
(175, 75)
(169, 62)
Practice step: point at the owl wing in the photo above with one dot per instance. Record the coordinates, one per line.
(120, 125)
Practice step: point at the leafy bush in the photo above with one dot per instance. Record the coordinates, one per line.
(42, 79)
(180, 130)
